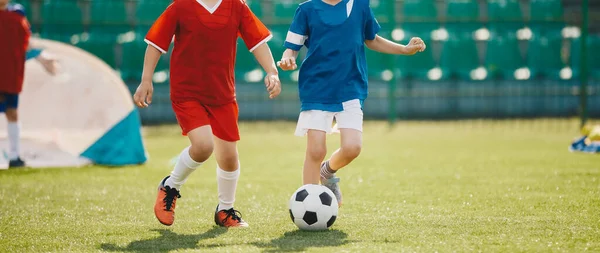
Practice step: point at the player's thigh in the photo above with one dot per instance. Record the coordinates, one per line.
(316, 144)
(224, 121)
(314, 120)
(194, 122)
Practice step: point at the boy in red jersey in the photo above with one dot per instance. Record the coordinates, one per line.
(203, 91)
(14, 34)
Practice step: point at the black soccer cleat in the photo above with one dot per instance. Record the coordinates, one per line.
(17, 163)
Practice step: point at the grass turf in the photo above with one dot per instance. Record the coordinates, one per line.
(420, 187)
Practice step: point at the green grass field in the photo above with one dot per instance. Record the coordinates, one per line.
(420, 187)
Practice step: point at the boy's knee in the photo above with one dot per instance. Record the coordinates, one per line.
(351, 150)
(228, 161)
(201, 151)
(317, 153)
(11, 115)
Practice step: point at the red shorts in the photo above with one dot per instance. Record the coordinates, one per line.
(223, 119)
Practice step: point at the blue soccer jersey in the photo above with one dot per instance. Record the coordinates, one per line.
(335, 68)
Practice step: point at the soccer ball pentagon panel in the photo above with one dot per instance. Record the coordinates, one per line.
(313, 207)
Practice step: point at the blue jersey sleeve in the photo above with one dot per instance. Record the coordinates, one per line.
(372, 27)
(298, 32)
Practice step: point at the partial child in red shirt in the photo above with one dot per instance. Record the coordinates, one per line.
(203, 91)
(14, 34)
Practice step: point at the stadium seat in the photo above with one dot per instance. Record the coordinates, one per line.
(503, 55)
(109, 16)
(500, 11)
(383, 10)
(133, 58)
(545, 10)
(147, 11)
(419, 10)
(285, 9)
(459, 53)
(544, 52)
(99, 45)
(61, 20)
(417, 66)
(463, 10)
(245, 62)
(593, 45)
(256, 7)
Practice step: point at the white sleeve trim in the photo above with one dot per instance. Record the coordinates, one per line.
(262, 42)
(295, 38)
(155, 46)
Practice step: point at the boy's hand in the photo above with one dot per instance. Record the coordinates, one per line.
(143, 94)
(273, 85)
(415, 45)
(49, 64)
(287, 63)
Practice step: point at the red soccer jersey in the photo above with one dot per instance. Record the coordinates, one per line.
(14, 38)
(203, 60)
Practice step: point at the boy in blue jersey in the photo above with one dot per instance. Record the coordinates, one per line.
(333, 79)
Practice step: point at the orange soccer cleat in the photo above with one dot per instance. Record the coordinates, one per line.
(229, 218)
(164, 208)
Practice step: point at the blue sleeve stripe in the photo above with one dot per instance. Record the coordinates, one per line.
(292, 46)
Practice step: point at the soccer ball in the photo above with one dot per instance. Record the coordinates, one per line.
(313, 207)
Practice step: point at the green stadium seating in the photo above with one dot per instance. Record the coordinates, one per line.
(133, 58)
(504, 10)
(593, 63)
(245, 62)
(100, 45)
(503, 55)
(540, 10)
(61, 20)
(285, 9)
(467, 10)
(419, 10)
(417, 66)
(109, 16)
(61, 12)
(544, 51)
(383, 10)
(459, 53)
(147, 11)
(256, 7)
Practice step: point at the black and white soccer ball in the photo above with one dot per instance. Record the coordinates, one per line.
(313, 207)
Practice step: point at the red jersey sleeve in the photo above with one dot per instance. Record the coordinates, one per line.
(161, 33)
(252, 30)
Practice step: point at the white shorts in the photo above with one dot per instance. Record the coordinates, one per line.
(351, 118)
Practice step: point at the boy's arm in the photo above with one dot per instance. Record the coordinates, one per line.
(143, 94)
(264, 57)
(159, 38)
(383, 45)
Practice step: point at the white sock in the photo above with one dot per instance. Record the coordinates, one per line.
(14, 139)
(183, 168)
(227, 184)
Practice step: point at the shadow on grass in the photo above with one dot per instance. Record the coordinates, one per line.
(167, 241)
(301, 240)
